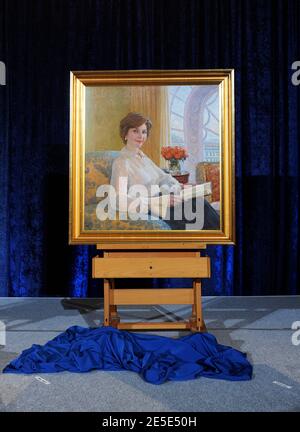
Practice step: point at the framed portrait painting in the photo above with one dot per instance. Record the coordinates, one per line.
(152, 156)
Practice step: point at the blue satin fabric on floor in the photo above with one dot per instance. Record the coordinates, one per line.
(156, 358)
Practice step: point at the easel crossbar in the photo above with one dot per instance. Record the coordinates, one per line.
(151, 296)
(182, 325)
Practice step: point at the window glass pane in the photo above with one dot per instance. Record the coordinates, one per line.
(177, 137)
(176, 122)
(213, 124)
(177, 106)
(172, 89)
(211, 137)
(183, 92)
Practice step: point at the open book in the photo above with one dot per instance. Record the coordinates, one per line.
(195, 191)
(159, 205)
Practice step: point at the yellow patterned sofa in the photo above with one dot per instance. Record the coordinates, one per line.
(98, 167)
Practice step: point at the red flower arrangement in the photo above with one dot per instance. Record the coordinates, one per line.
(173, 155)
(176, 152)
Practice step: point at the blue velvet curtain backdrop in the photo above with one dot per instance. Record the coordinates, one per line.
(41, 41)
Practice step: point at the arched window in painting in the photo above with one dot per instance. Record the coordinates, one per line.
(177, 99)
(194, 122)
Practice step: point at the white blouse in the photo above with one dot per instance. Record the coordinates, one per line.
(138, 169)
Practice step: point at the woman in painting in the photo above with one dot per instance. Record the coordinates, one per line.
(136, 169)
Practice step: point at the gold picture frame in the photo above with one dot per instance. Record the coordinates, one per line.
(205, 126)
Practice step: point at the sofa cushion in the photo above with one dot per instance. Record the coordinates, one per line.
(97, 172)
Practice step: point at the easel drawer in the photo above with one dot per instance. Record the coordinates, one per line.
(197, 267)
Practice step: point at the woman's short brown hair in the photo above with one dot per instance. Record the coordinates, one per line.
(133, 120)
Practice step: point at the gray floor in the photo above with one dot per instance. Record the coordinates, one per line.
(259, 326)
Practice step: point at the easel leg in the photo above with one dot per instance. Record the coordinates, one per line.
(106, 303)
(192, 319)
(197, 316)
(115, 319)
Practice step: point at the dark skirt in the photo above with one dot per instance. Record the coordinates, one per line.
(211, 219)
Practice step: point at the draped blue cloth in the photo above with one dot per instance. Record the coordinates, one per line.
(156, 358)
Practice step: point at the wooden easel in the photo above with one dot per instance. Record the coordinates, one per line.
(168, 260)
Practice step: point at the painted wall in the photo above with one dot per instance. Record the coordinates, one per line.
(102, 120)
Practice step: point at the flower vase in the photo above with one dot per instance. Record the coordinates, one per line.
(174, 166)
